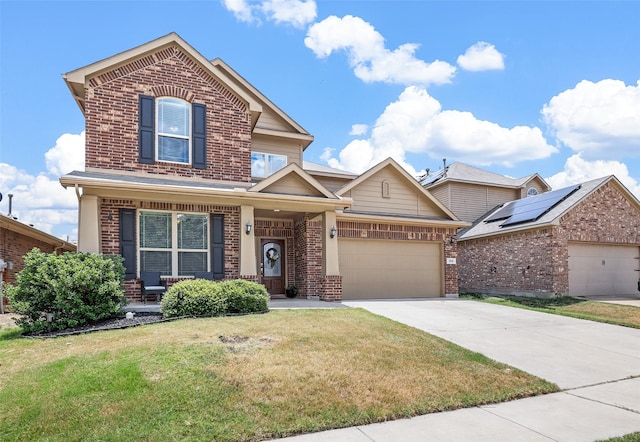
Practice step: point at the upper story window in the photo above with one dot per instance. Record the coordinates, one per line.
(532, 191)
(173, 130)
(265, 164)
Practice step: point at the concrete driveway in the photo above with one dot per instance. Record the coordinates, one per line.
(569, 352)
(597, 365)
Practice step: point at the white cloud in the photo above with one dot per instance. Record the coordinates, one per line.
(67, 155)
(41, 200)
(416, 123)
(293, 12)
(597, 119)
(359, 129)
(482, 56)
(297, 13)
(369, 58)
(240, 9)
(577, 170)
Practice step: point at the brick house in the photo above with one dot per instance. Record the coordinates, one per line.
(470, 192)
(17, 238)
(581, 240)
(190, 168)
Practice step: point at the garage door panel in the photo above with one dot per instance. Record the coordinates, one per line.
(390, 269)
(596, 269)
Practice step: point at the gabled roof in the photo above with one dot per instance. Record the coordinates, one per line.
(300, 132)
(21, 228)
(482, 228)
(296, 171)
(469, 174)
(77, 80)
(389, 162)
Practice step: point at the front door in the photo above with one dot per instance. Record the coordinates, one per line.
(272, 265)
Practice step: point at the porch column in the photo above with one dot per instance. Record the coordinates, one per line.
(88, 225)
(248, 265)
(330, 245)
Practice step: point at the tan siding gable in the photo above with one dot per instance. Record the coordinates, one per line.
(292, 184)
(403, 199)
(537, 184)
(270, 120)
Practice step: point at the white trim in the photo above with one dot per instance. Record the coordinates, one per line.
(159, 134)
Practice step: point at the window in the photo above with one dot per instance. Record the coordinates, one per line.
(532, 191)
(265, 164)
(173, 243)
(173, 130)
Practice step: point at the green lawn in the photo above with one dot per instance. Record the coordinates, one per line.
(625, 315)
(240, 378)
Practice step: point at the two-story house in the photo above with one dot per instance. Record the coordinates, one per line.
(471, 192)
(190, 168)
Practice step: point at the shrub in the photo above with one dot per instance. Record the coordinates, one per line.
(244, 296)
(193, 297)
(76, 288)
(199, 297)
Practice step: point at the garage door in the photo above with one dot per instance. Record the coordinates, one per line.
(390, 269)
(603, 270)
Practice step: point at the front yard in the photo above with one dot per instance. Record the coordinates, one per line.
(240, 378)
(624, 315)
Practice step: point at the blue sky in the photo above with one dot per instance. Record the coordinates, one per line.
(514, 87)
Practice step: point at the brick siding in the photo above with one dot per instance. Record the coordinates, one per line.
(13, 247)
(110, 232)
(535, 262)
(112, 117)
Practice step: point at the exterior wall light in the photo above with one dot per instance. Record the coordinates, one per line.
(333, 232)
(453, 239)
(247, 227)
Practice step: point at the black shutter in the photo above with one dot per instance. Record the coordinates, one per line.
(146, 129)
(199, 136)
(217, 245)
(128, 241)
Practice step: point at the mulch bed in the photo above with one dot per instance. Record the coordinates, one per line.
(107, 324)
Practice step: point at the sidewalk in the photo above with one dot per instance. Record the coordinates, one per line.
(597, 365)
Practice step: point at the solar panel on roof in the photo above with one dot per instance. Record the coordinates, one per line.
(503, 213)
(534, 207)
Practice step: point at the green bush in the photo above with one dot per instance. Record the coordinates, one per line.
(192, 297)
(244, 296)
(199, 297)
(76, 288)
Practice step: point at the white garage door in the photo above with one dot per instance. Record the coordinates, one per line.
(603, 270)
(390, 269)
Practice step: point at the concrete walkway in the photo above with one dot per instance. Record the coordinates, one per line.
(597, 366)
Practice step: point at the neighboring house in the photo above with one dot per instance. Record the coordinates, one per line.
(470, 192)
(190, 168)
(17, 238)
(580, 240)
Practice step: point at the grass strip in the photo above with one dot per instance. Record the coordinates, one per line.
(617, 314)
